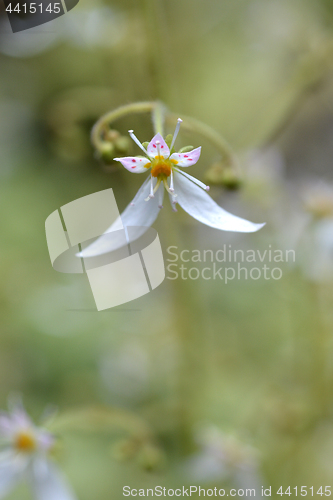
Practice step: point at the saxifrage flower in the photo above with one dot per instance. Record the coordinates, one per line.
(24, 456)
(165, 173)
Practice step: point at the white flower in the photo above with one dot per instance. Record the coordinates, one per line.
(222, 457)
(25, 456)
(187, 191)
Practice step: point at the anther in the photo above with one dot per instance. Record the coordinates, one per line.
(136, 140)
(179, 121)
(158, 145)
(167, 187)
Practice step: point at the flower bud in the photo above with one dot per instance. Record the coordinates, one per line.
(114, 144)
(220, 175)
(168, 139)
(150, 457)
(186, 149)
(125, 449)
(318, 200)
(107, 152)
(122, 145)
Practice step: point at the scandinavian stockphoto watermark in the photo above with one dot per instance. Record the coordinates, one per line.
(129, 263)
(227, 264)
(25, 14)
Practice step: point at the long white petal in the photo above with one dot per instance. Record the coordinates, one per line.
(11, 469)
(193, 179)
(197, 203)
(139, 213)
(48, 483)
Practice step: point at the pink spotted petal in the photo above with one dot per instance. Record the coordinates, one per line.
(186, 159)
(134, 164)
(152, 148)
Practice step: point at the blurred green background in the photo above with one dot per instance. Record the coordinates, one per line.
(198, 382)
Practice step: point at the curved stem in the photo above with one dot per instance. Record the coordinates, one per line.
(160, 115)
(105, 121)
(196, 126)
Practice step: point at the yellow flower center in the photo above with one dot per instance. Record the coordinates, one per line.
(161, 166)
(25, 441)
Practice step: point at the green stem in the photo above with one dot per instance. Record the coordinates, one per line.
(200, 128)
(105, 121)
(159, 64)
(309, 74)
(158, 117)
(188, 330)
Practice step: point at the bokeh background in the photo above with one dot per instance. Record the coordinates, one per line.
(199, 382)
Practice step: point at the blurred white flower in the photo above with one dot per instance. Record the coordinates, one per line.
(187, 191)
(313, 236)
(95, 27)
(25, 456)
(83, 27)
(222, 457)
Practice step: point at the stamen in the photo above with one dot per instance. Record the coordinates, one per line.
(171, 182)
(193, 179)
(136, 140)
(151, 194)
(167, 187)
(179, 121)
(158, 145)
(157, 184)
(25, 442)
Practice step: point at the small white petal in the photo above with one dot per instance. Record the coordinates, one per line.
(152, 147)
(48, 483)
(197, 203)
(7, 426)
(186, 159)
(45, 440)
(18, 414)
(139, 213)
(134, 164)
(11, 470)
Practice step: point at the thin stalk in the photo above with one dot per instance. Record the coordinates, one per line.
(105, 121)
(187, 314)
(157, 34)
(158, 117)
(200, 128)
